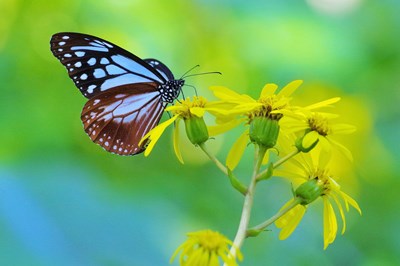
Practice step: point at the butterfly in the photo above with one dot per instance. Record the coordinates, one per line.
(126, 95)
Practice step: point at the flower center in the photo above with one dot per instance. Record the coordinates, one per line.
(184, 106)
(325, 180)
(269, 103)
(210, 240)
(319, 124)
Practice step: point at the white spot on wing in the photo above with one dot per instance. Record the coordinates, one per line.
(123, 79)
(133, 66)
(61, 43)
(84, 77)
(91, 61)
(104, 61)
(99, 73)
(114, 70)
(78, 64)
(90, 90)
(90, 48)
(79, 54)
(65, 37)
(108, 45)
(118, 96)
(95, 44)
(67, 55)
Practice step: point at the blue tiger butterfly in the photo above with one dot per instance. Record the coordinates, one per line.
(126, 95)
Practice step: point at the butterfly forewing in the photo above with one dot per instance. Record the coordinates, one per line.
(161, 68)
(96, 65)
(117, 119)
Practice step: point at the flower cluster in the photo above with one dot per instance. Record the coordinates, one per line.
(303, 137)
(205, 248)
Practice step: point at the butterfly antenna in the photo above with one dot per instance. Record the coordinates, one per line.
(194, 88)
(183, 95)
(204, 73)
(183, 76)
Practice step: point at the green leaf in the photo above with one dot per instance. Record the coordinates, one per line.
(236, 183)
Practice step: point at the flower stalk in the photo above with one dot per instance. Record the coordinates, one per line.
(260, 227)
(248, 202)
(214, 159)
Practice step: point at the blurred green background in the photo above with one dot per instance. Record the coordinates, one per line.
(65, 201)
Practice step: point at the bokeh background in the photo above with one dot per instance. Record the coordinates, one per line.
(65, 201)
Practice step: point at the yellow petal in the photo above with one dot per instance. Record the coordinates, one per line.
(351, 201)
(341, 149)
(269, 89)
(245, 108)
(323, 160)
(330, 223)
(176, 141)
(340, 207)
(237, 150)
(290, 88)
(226, 94)
(221, 128)
(155, 134)
(175, 108)
(323, 103)
(197, 111)
(294, 177)
(290, 220)
(342, 128)
(325, 144)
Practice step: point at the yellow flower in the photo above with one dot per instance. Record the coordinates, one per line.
(268, 104)
(192, 112)
(317, 126)
(315, 176)
(244, 109)
(206, 248)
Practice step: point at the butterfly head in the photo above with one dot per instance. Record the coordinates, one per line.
(171, 90)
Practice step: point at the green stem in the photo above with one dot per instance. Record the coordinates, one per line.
(213, 158)
(279, 162)
(278, 215)
(248, 203)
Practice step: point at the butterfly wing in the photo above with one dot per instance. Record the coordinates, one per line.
(118, 119)
(161, 68)
(96, 65)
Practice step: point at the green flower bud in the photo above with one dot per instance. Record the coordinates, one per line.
(301, 148)
(264, 131)
(196, 130)
(309, 191)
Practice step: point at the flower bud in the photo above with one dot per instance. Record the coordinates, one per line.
(309, 191)
(264, 131)
(196, 130)
(301, 148)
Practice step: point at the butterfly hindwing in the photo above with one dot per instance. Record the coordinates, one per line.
(96, 65)
(117, 119)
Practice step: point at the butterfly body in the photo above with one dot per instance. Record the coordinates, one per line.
(126, 95)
